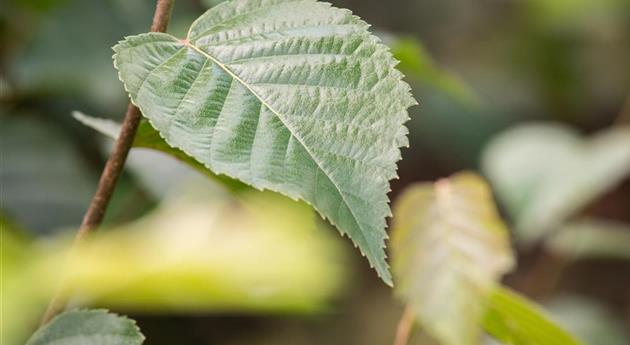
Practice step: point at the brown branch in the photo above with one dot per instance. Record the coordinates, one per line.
(162, 15)
(113, 168)
(405, 325)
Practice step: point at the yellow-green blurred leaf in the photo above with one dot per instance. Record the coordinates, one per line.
(23, 287)
(546, 173)
(575, 14)
(198, 253)
(449, 248)
(513, 319)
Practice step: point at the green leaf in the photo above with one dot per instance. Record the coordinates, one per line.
(572, 15)
(449, 249)
(513, 319)
(88, 327)
(417, 64)
(546, 173)
(292, 96)
(147, 137)
(592, 238)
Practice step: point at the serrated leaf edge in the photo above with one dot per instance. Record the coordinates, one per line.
(131, 321)
(386, 274)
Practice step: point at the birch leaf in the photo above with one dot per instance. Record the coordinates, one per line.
(295, 96)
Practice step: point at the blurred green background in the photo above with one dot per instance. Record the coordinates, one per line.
(481, 70)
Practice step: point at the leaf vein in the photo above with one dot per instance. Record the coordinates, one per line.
(298, 138)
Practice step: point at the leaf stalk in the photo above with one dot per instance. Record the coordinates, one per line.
(405, 325)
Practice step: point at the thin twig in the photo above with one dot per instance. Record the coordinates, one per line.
(113, 168)
(405, 325)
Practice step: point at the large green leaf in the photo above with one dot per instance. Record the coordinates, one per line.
(449, 248)
(513, 319)
(292, 96)
(546, 173)
(88, 327)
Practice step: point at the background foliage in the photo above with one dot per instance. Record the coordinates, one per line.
(478, 68)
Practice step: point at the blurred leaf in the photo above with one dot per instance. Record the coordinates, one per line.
(106, 127)
(21, 299)
(592, 238)
(161, 175)
(589, 320)
(88, 327)
(200, 252)
(449, 248)
(44, 65)
(148, 137)
(513, 319)
(283, 110)
(14, 239)
(12, 253)
(546, 173)
(6, 91)
(45, 185)
(575, 14)
(416, 63)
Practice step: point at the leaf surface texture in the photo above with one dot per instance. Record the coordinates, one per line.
(292, 96)
(88, 327)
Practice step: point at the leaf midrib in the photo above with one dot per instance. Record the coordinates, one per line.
(293, 133)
